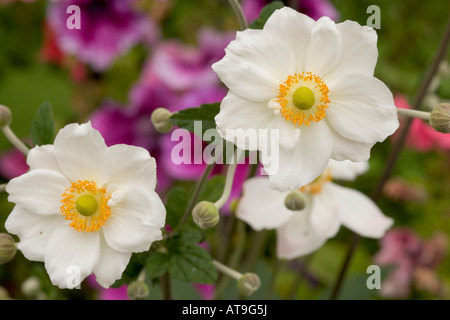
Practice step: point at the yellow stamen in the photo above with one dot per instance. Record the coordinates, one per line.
(85, 205)
(303, 98)
(316, 186)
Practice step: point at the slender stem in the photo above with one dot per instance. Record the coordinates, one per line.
(234, 259)
(424, 115)
(193, 199)
(2, 187)
(300, 276)
(228, 186)
(396, 150)
(243, 24)
(255, 249)
(166, 286)
(16, 142)
(277, 266)
(225, 236)
(227, 270)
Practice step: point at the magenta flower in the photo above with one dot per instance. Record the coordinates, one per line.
(12, 164)
(312, 8)
(109, 28)
(422, 137)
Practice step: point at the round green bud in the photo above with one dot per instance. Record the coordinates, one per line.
(8, 248)
(161, 120)
(248, 284)
(440, 118)
(206, 215)
(295, 201)
(138, 290)
(5, 116)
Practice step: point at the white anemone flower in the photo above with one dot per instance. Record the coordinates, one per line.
(328, 206)
(313, 82)
(84, 207)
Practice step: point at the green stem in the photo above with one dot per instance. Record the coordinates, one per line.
(414, 114)
(196, 193)
(300, 276)
(396, 151)
(243, 24)
(277, 266)
(166, 286)
(16, 142)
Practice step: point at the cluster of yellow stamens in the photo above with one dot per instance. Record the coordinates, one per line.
(85, 205)
(316, 186)
(303, 98)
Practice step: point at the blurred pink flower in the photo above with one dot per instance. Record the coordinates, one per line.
(12, 164)
(422, 137)
(410, 256)
(312, 8)
(109, 28)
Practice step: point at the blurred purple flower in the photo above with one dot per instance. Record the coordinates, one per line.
(109, 28)
(312, 8)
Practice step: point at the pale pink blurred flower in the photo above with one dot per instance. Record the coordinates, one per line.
(413, 259)
(422, 137)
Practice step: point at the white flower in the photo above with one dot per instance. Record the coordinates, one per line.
(311, 81)
(328, 206)
(84, 207)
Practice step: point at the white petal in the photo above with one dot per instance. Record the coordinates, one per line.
(42, 157)
(262, 207)
(359, 213)
(347, 170)
(297, 238)
(239, 120)
(110, 265)
(325, 48)
(288, 134)
(305, 162)
(255, 64)
(38, 191)
(325, 219)
(81, 153)
(362, 109)
(293, 29)
(359, 51)
(346, 149)
(33, 230)
(136, 221)
(71, 256)
(132, 164)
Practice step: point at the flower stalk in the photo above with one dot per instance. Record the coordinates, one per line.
(243, 24)
(424, 115)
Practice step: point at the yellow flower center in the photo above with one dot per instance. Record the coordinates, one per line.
(316, 186)
(85, 205)
(303, 98)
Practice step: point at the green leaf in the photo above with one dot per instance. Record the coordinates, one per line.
(177, 201)
(42, 127)
(205, 113)
(266, 12)
(157, 264)
(213, 188)
(192, 263)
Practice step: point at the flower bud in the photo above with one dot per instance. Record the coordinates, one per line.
(295, 201)
(7, 248)
(3, 294)
(248, 284)
(138, 290)
(205, 214)
(440, 118)
(161, 120)
(5, 116)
